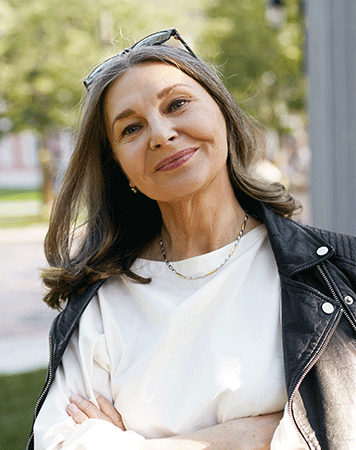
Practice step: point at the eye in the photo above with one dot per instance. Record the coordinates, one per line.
(130, 129)
(177, 104)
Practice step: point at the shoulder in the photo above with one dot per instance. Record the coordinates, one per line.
(296, 246)
(66, 322)
(286, 230)
(343, 245)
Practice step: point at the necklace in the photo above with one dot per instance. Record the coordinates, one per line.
(212, 271)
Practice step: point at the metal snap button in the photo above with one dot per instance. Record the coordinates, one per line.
(349, 300)
(328, 308)
(322, 251)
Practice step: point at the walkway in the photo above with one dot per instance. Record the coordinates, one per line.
(23, 208)
(24, 318)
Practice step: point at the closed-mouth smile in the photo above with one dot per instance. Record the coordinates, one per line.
(176, 160)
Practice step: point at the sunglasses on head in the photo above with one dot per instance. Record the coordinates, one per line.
(158, 38)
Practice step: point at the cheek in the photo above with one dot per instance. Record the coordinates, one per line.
(212, 124)
(131, 161)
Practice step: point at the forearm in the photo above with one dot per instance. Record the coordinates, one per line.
(250, 433)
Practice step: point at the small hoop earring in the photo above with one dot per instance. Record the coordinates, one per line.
(134, 189)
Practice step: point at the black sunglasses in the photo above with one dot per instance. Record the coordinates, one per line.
(158, 38)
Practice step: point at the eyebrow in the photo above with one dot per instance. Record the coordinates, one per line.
(168, 89)
(129, 112)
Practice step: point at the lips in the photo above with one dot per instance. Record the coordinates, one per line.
(175, 160)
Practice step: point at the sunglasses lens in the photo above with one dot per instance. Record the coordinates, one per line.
(153, 39)
(89, 79)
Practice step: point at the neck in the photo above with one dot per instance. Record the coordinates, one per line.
(200, 224)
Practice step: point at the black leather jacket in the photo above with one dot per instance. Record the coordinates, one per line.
(318, 280)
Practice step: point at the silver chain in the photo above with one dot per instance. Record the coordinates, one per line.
(212, 271)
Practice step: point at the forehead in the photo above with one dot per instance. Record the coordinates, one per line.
(145, 79)
(152, 70)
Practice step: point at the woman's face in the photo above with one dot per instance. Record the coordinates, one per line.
(166, 131)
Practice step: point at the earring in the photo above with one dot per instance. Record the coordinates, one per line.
(134, 189)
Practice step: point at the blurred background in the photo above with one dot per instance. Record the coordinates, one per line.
(291, 65)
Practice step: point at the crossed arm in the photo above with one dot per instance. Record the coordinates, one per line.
(249, 433)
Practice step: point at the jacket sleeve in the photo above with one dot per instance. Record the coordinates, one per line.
(85, 368)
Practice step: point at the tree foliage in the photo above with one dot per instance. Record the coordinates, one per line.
(262, 66)
(47, 47)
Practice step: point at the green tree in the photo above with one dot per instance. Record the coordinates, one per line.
(46, 49)
(262, 66)
(48, 46)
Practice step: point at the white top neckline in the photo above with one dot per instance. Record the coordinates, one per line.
(201, 264)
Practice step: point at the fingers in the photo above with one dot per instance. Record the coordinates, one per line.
(76, 414)
(81, 409)
(107, 408)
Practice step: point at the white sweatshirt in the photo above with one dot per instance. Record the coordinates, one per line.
(176, 355)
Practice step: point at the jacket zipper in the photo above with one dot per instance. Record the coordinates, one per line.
(319, 353)
(47, 384)
(305, 371)
(44, 391)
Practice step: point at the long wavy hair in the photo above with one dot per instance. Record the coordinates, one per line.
(115, 223)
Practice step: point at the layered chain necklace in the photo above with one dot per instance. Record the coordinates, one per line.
(236, 243)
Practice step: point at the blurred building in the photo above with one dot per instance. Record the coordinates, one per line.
(24, 164)
(19, 165)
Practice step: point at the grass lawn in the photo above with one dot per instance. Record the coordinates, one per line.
(13, 195)
(18, 396)
(20, 222)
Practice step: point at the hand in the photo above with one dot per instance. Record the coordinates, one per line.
(81, 410)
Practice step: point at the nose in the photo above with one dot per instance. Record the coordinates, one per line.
(162, 133)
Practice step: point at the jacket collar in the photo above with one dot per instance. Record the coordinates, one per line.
(295, 246)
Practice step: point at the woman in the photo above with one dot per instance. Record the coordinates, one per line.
(197, 311)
